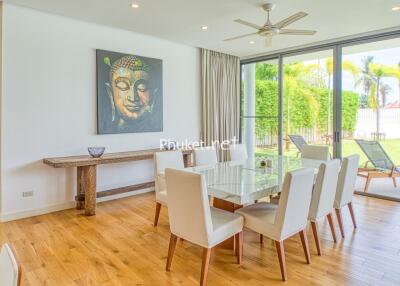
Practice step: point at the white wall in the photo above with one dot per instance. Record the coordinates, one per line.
(49, 105)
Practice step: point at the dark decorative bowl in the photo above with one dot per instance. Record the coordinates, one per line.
(96, 152)
(170, 145)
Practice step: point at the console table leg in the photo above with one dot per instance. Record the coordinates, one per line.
(187, 160)
(80, 191)
(89, 183)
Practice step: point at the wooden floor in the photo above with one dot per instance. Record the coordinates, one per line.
(120, 246)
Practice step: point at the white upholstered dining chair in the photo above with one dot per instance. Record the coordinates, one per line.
(162, 160)
(10, 270)
(345, 189)
(323, 197)
(289, 217)
(238, 152)
(205, 156)
(315, 152)
(192, 219)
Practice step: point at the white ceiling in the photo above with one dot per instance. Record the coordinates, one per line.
(180, 20)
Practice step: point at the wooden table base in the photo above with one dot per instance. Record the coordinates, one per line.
(230, 207)
(86, 187)
(87, 174)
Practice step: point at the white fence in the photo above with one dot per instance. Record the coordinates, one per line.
(389, 123)
(365, 126)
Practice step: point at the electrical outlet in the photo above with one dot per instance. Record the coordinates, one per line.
(27, 194)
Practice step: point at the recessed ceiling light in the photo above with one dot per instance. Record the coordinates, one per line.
(204, 28)
(396, 8)
(251, 42)
(134, 5)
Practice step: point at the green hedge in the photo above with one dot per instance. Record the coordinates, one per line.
(304, 105)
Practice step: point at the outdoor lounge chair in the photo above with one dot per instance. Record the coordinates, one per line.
(298, 141)
(383, 166)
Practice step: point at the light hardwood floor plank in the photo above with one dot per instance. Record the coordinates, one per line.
(120, 246)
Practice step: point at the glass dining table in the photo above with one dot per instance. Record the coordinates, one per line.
(236, 183)
(243, 182)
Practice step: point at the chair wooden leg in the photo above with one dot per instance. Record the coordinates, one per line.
(367, 184)
(239, 247)
(353, 218)
(281, 256)
(204, 265)
(171, 250)
(304, 242)
(157, 215)
(339, 218)
(314, 227)
(394, 182)
(332, 226)
(261, 238)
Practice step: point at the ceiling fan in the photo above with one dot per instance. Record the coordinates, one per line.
(268, 30)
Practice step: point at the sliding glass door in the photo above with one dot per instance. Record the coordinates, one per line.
(371, 105)
(307, 99)
(260, 107)
(333, 95)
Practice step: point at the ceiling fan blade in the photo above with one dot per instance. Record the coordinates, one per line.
(239, 37)
(296, 32)
(240, 21)
(290, 20)
(268, 41)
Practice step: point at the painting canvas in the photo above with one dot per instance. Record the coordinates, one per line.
(129, 93)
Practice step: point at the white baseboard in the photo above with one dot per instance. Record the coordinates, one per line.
(63, 206)
(35, 212)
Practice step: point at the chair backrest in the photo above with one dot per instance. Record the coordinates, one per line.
(188, 206)
(346, 181)
(298, 141)
(163, 160)
(324, 192)
(294, 204)
(238, 152)
(205, 156)
(10, 270)
(376, 154)
(315, 152)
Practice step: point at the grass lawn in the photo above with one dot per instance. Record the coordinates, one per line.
(391, 146)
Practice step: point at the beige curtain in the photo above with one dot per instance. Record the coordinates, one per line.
(220, 82)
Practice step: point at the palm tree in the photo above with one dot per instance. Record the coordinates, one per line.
(346, 66)
(377, 72)
(291, 74)
(366, 77)
(295, 75)
(384, 89)
(395, 72)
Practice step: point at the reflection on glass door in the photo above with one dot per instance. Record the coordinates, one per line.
(260, 107)
(307, 101)
(371, 106)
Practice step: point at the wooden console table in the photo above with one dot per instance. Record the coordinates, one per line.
(87, 173)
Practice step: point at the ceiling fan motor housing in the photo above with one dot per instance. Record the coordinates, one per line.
(268, 6)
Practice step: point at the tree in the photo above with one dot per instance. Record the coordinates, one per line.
(366, 77)
(377, 72)
(384, 89)
(346, 66)
(292, 85)
(395, 72)
(266, 71)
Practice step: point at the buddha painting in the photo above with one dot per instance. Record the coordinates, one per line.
(129, 93)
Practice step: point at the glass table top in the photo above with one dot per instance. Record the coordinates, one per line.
(242, 182)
